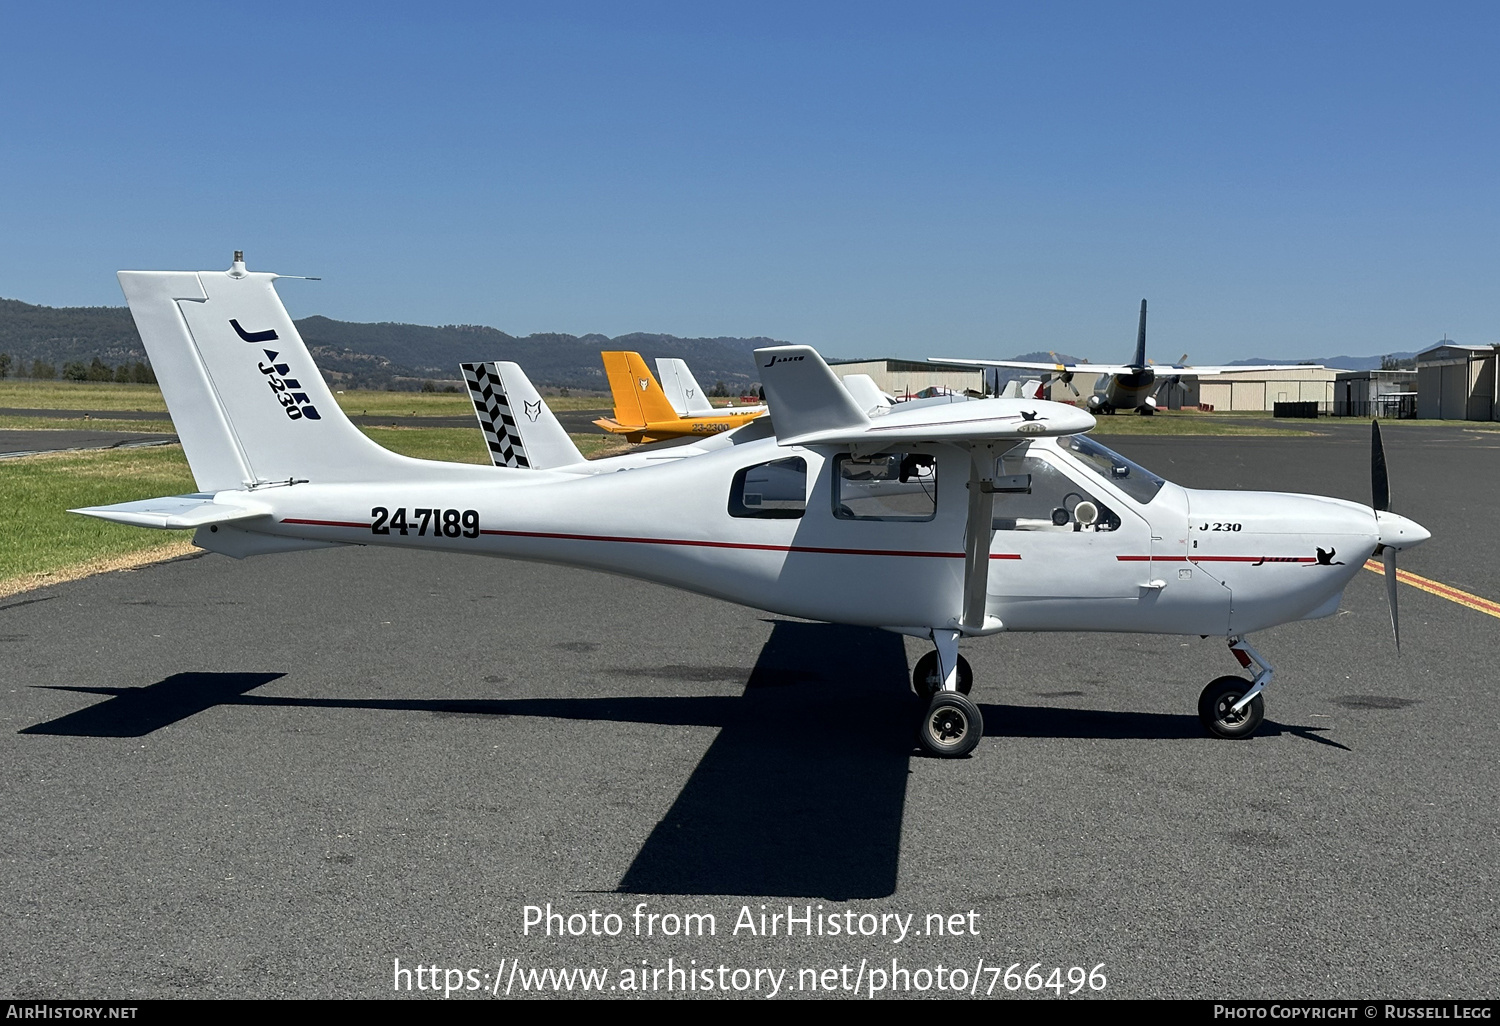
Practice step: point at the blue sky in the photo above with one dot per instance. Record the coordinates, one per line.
(1280, 180)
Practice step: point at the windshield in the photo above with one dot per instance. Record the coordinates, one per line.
(1131, 478)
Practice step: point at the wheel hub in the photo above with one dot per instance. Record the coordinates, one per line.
(948, 725)
(1226, 713)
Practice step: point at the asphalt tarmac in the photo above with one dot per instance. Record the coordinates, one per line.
(278, 777)
(15, 443)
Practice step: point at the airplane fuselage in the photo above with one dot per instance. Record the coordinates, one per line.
(1183, 562)
(1124, 391)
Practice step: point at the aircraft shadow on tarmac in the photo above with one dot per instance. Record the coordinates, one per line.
(801, 794)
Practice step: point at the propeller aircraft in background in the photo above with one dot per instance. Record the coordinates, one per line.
(941, 521)
(1126, 386)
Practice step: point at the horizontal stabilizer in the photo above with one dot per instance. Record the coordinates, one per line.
(176, 512)
(809, 406)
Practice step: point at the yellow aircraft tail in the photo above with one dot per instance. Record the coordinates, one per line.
(638, 396)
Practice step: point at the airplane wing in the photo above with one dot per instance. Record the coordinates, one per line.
(1055, 368)
(1208, 372)
(809, 405)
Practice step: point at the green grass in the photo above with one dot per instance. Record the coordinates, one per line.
(42, 537)
(156, 427)
(25, 394)
(405, 404)
(44, 543)
(453, 445)
(596, 447)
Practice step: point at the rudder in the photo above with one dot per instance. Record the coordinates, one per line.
(246, 398)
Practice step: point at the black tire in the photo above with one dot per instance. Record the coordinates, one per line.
(1214, 703)
(924, 678)
(951, 727)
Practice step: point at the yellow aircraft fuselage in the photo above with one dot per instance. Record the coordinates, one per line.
(644, 414)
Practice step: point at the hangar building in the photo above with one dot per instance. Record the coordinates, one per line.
(908, 377)
(1254, 388)
(1257, 389)
(1458, 382)
(1375, 393)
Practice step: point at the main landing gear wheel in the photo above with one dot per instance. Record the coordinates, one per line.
(1214, 708)
(926, 682)
(951, 727)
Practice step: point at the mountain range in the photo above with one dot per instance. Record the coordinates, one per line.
(402, 356)
(386, 355)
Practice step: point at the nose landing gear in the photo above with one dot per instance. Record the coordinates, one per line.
(1232, 707)
(1216, 708)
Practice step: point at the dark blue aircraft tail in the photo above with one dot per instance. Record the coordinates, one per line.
(1140, 340)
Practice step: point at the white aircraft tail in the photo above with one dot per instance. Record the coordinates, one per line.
(519, 427)
(247, 401)
(866, 393)
(682, 389)
(805, 397)
(1033, 389)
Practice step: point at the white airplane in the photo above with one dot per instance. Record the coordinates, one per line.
(1125, 386)
(682, 389)
(940, 522)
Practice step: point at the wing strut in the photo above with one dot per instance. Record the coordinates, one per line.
(977, 534)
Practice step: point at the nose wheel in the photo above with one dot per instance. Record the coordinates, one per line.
(1216, 708)
(1232, 707)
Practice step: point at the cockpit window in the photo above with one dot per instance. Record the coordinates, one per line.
(1131, 478)
(770, 491)
(891, 486)
(1036, 496)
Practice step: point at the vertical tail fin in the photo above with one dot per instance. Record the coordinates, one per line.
(244, 394)
(804, 395)
(638, 397)
(865, 392)
(519, 428)
(1140, 340)
(682, 389)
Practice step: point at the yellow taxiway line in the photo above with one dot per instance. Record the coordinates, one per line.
(1463, 598)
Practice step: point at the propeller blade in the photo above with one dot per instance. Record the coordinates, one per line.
(1390, 593)
(1380, 482)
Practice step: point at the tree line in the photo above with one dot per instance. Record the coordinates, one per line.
(127, 372)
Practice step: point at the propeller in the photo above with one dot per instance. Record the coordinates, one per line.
(1066, 377)
(1380, 499)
